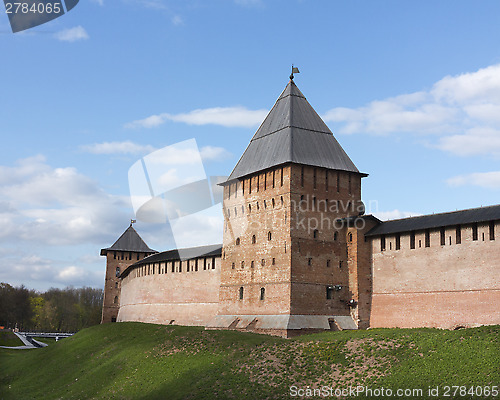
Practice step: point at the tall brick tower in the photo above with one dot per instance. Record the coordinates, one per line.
(289, 207)
(127, 250)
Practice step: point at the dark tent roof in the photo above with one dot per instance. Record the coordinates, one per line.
(129, 241)
(463, 217)
(173, 255)
(292, 132)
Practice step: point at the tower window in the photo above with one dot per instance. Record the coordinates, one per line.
(335, 236)
(443, 236)
(329, 292)
(114, 255)
(340, 264)
(243, 264)
(272, 201)
(274, 261)
(492, 230)
(138, 256)
(122, 255)
(251, 264)
(302, 176)
(274, 174)
(213, 262)
(115, 300)
(116, 285)
(235, 212)
(254, 239)
(232, 266)
(398, 241)
(328, 263)
(412, 240)
(349, 237)
(281, 200)
(474, 232)
(458, 235)
(281, 176)
(265, 204)
(326, 180)
(428, 238)
(382, 242)
(241, 293)
(263, 262)
(350, 184)
(314, 178)
(315, 234)
(269, 235)
(338, 181)
(262, 293)
(117, 271)
(309, 261)
(249, 208)
(237, 241)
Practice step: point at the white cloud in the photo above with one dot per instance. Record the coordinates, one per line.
(56, 206)
(488, 180)
(177, 20)
(72, 34)
(475, 141)
(224, 116)
(462, 111)
(394, 214)
(212, 153)
(100, 2)
(126, 147)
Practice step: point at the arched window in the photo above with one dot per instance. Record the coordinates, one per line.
(241, 293)
(117, 271)
(237, 241)
(262, 293)
(115, 300)
(254, 239)
(269, 235)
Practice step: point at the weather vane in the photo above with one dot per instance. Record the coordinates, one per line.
(295, 70)
(132, 221)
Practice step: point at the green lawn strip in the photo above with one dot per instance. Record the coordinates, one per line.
(7, 338)
(143, 361)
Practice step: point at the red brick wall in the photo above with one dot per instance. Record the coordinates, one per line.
(437, 286)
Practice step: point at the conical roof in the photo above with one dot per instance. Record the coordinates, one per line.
(129, 241)
(292, 132)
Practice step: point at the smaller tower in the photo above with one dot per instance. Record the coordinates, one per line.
(127, 250)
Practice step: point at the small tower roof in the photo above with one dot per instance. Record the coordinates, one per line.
(129, 241)
(292, 133)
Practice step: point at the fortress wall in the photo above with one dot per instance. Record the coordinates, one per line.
(443, 286)
(187, 298)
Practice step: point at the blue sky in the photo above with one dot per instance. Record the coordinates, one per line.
(410, 89)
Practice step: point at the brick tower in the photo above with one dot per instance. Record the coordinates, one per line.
(289, 207)
(127, 250)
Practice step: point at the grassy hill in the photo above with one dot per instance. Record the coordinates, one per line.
(142, 361)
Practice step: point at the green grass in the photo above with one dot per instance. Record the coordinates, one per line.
(7, 338)
(142, 361)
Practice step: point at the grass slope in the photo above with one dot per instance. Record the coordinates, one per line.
(142, 361)
(7, 338)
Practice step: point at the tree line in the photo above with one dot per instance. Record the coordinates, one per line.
(56, 310)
